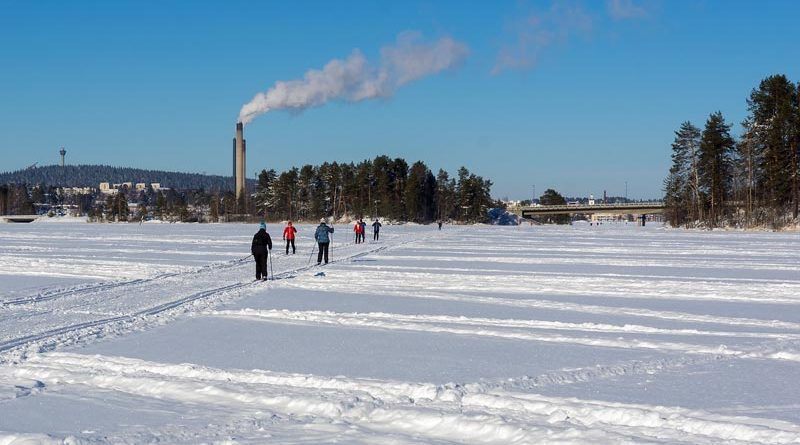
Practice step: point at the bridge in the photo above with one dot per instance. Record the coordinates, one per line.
(18, 218)
(639, 208)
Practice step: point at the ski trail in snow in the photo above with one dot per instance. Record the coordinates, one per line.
(355, 318)
(607, 260)
(84, 314)
(526, 330)
(52, 294)
(373, 284)
(618, 287)
(458, 413)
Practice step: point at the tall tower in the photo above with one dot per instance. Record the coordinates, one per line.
(240, 153)
(62, 153)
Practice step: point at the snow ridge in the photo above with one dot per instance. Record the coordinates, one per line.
(534, 330)
(460, 413)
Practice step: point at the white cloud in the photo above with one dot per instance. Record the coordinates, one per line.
(625, 9)
(538, 31)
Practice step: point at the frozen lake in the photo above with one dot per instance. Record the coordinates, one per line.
(128, 333)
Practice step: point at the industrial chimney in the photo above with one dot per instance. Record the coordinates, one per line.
(62, 153)
(240, 146)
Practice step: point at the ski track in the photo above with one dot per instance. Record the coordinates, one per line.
(354, 410)
(343, 284)
(534, 330)
(459, 414)
(618, 287)
(52, 294)
(74, 315)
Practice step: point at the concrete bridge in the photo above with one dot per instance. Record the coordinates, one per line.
(638, 208)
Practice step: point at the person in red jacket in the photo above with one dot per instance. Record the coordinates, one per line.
(359, 230)
(288, 236)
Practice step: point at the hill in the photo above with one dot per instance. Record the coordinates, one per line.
(92, 175)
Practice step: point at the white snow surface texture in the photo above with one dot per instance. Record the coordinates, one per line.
(127, 333)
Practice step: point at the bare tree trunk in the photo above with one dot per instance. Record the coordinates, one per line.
(697, 209)
(795, 192)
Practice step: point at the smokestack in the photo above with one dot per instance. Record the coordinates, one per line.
(233, 174)
(240, 162)
(62, 153)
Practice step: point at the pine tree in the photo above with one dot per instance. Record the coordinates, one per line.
(214, 207)
(551, 197)
(716, 147)
(264, 199)
(444, 195)
(748, 170)
(161, 205)
(682, 186)
(413, 192)
(773, 110)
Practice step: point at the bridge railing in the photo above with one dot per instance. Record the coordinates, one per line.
(628, 207)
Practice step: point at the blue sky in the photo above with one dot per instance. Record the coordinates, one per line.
(577, 96)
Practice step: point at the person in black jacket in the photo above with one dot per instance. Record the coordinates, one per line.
(261, 247)
(376, 230)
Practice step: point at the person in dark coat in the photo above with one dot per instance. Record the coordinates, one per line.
(323, 240)
(363, 229)
(376, 229)
(261, 247)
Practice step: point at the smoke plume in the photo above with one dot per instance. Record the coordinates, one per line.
(354, 79)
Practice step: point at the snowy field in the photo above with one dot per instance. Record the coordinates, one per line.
(126, 333)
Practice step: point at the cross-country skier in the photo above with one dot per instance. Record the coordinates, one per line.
(288, 236)
(363, 229)
(323, 240)
(439, 222)
(261, 247)
(359, 230)
(376, 228)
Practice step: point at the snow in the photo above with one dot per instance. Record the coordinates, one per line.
(129, 333)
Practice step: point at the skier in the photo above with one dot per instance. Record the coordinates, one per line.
(288, 236)
(359, 230)
(363, 229)
(323, 240)
(440, 224)
(376, 228)
(261, 247)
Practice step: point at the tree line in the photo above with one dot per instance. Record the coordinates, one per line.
(718, 180)
(382, 187)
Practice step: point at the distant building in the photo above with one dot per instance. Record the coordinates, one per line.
(110, 189)
(72, 191)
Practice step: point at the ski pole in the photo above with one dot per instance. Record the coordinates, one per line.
(312, 253)
(271, 270)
